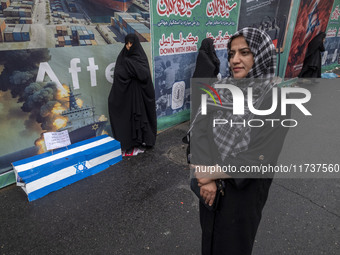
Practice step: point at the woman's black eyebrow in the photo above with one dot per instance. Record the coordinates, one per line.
(247, 48)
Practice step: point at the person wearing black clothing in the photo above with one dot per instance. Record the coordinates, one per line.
(206, 70)
(231, 229)
(131, 102)
(312, 63)
(207, 63)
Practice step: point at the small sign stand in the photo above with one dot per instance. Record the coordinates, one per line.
(56, 140)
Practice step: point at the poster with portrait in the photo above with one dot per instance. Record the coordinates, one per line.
(312, 19)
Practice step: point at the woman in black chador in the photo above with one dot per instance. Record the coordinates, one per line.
(132, 98)
(312, 63)
(207, 63)
(207, 68)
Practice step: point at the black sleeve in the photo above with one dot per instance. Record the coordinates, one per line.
(322, 47)
(201, 149)
(137, 69)
(204, 67)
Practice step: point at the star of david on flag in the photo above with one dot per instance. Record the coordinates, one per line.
(47, 172)
(80, 167)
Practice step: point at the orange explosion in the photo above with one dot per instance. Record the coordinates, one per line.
(79, 102)
(55, 116)
(58, 108)
(102, 118)
(60, 122)
(40, 143)
(63, 94)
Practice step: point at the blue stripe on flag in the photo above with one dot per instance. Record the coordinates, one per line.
(65, 182)
(56, 165)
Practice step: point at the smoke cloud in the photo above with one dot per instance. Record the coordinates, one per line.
(19, 69)
(39, 100)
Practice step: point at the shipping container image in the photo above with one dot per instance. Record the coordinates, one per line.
(25, 32)
(68, 40)
(61, 41)
(17, 32)
(82, 43)
(2, 29)
(91, 35)
(8, 34)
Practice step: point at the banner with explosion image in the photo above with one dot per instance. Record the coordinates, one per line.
(178, 28)
(46, 90)
(331, 57)
(312, 19)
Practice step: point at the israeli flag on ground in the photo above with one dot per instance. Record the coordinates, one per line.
(47, 172)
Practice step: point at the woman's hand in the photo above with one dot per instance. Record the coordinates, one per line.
(208, 172)
(208, 192)
(203, 181)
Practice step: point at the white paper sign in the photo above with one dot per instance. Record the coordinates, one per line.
(178, 91)
(55, 140)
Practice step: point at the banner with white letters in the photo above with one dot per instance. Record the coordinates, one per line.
(48, 90)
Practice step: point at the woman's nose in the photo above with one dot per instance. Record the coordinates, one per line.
(236, 58)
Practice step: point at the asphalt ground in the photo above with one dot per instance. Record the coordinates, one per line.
(143, 204)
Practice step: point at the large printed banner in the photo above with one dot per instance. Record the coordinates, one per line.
(312, 19)
(57, 65)
(332, 44)
(56, 69)
(178, 27)
(50, 24)
(44, 90)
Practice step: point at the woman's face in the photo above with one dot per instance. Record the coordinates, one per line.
(128, 45)
(241, 58)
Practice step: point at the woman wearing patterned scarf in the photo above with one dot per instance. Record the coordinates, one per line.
(231, 229)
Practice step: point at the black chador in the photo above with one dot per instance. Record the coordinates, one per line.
(132, 98)
(312, 63)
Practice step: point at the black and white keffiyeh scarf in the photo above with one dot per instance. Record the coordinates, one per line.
(263, 50)
(259, 78)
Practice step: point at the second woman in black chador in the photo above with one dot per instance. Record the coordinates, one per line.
(207, 63)
(206, 70)
(132, 98)
(312, 62)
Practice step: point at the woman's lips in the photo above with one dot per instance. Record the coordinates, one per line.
(236, 69)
